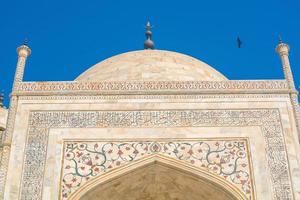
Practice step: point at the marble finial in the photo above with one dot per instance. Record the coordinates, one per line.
(26, 41)
(148, 44)
(280, 39)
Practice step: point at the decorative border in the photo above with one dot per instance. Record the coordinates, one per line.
(226, 158)
(188, 96)
(257, 86)
(40, 123)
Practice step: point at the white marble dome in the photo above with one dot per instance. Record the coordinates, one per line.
(151, 65)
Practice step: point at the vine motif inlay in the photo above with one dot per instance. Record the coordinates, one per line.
(41, 122)
(85, 160)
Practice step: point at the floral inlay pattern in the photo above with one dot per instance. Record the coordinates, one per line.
(86, 160)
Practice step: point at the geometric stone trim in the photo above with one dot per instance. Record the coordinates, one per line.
(85, 160)
(259, 86)
(190, 96)
(41, 121)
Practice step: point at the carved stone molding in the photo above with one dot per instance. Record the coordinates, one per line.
(136, 87)
(248, 97)
(40, 123)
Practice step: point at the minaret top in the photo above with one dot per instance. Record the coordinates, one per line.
(282, 48)
(148, 44)
(24, 50)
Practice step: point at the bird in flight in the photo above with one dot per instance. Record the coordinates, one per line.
(239, 42)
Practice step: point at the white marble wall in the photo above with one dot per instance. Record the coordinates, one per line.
(51, 185)
(3, 117)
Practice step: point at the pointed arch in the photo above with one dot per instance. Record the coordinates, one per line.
(197, 173)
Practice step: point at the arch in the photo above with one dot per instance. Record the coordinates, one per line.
(170, 163)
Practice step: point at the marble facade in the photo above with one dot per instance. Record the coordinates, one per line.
(80, 139)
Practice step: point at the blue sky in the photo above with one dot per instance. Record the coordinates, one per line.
(67, 37)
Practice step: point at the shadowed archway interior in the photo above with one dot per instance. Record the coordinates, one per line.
(158, 182)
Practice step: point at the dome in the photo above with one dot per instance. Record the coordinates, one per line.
(151, 65)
